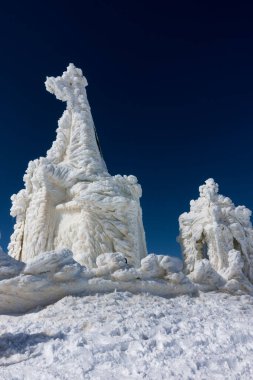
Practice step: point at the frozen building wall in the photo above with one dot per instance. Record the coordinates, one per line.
(70, 200)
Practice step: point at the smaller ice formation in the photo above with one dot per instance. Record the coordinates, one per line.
(70, 200)
(217, 241)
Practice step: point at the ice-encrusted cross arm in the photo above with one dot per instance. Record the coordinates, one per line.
(70, 87)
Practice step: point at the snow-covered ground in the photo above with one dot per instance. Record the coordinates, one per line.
(125, 336)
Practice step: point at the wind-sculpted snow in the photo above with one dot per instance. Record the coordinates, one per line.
(70, 200)
(53, 275)
(217, 242)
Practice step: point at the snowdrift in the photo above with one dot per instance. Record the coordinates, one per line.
(53, 275)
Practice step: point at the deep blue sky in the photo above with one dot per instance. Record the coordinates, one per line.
(171, 90)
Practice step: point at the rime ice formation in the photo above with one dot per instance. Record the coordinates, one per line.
(70, 200)
(52, 275)
(79, 230)
(217, 240)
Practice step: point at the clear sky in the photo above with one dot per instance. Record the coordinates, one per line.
(171, 91)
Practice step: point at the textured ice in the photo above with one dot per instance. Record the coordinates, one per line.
(217, 241)
(70, 200)
(53, 275)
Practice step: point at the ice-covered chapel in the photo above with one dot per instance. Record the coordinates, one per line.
(70, 200)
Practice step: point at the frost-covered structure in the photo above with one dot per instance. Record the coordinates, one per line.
(217, 238)
(70, 200)
(79, 230)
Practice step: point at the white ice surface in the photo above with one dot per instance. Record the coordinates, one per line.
(124, 336)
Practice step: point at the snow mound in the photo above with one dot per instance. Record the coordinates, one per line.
(53, 275)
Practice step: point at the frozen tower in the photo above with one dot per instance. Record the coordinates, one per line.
(70, 200)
